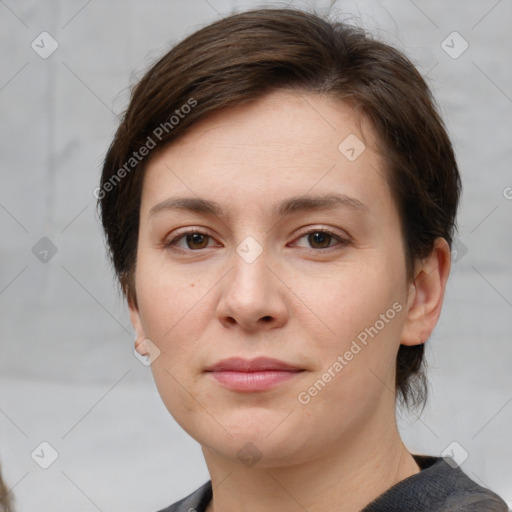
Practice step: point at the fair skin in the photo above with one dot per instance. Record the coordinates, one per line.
(303, 300)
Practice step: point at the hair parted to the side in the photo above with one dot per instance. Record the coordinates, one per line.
(247, 55)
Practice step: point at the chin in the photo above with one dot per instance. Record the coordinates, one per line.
(251, 450)
(260, 437)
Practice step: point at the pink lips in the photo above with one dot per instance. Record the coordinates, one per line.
(257, 374)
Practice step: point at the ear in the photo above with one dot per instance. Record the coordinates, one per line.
(139, 331)
(426, 294)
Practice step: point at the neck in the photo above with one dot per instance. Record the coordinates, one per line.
(345, 477)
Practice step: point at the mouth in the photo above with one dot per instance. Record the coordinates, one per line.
(258, 374)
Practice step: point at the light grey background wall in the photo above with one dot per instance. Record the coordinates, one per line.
(69, 377)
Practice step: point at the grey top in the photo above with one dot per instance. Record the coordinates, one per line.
(438, 487)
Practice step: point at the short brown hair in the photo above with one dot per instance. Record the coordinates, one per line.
(247, 55)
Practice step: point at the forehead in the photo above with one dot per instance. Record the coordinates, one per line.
(284, 144)
(315, 123)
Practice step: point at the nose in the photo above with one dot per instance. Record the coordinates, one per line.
(253, 296)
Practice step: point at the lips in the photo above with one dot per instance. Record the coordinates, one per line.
(258, 374)
(238, 364)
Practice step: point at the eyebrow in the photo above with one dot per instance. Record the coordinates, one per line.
(282, 209)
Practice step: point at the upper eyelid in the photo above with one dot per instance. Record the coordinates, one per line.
(342, 239)
(178, 236)
(338, 233)
(308, 231)
(331, 231)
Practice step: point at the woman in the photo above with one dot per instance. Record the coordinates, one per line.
(279, 203)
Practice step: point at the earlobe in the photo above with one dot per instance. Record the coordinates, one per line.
(135, 321)
(426, 295)
(140, 342)
(141, 346)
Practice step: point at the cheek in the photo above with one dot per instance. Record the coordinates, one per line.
(171, 319)
(350, 299)
(363, 309)
(174, 312)
(169, 302)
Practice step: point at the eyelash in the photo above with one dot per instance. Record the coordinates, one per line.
(341, 241)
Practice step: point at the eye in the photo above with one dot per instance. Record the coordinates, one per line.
(321, 239)
(190, 240)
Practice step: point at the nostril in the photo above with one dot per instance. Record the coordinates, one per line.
(266, 318)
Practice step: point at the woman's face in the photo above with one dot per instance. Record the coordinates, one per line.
(297, 256)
